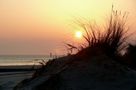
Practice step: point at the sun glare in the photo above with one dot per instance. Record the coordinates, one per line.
(78, 34)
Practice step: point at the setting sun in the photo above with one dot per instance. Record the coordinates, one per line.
(78, 34)
(38, 26)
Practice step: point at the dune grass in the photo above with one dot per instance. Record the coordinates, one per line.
(40, 70)
(111, 41)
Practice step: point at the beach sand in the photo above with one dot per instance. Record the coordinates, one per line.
(10, 76)
(9, 79)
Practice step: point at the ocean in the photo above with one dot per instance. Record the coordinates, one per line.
(10, 78)
(11, 60)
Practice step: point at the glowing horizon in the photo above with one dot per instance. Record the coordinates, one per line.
(41, 27)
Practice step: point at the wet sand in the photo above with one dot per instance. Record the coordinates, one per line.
(18, 68)
(12, 75)
(8, 80)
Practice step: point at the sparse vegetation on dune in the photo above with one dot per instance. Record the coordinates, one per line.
(95, 64)
(110, 42)
(40, 70)
(57, 63)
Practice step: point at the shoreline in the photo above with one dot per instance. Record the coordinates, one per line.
(18, 68)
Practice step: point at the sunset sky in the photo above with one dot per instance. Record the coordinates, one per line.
(42, 26)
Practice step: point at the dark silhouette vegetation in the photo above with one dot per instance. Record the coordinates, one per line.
(111, 42)
(104, 47)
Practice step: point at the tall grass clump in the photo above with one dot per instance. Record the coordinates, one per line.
(111, 41)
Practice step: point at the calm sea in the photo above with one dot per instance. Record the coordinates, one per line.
(10, 79)
(6, 60)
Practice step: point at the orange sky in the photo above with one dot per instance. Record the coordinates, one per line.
(41, 26)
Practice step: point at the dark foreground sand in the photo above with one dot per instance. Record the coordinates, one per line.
(10, 76)
(14, 68)
(8, 80)
(95, 73)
